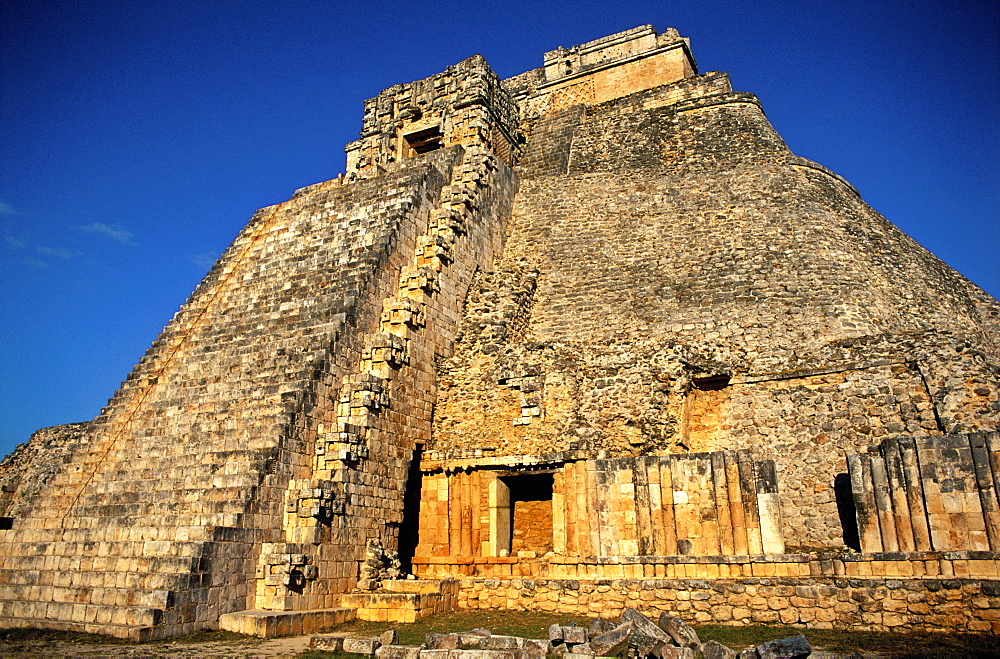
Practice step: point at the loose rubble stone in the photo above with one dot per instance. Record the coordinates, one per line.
(647, 637)
(349, 642)
(443, 641)
(613, 643)
(366, 646)
(679, 632)
(716, 650)
(398, 652)
(785, 648)
(600, 626)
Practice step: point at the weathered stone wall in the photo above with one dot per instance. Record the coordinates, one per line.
(900, 604)
(465, 104)
(931, 493)
(381, 410)
(696, 504)
(690, 285)
(28, 469)
(600, 70)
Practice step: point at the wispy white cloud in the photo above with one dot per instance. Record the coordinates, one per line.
(114, 232)
(204, 261)
(7, 209)
(35, 263)
(57, 251)
(13, 242)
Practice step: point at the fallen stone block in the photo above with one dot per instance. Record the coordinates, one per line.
(471, 639)
(581, 650)
(574, 634)
(716, 650)
(362, 645)
(345, 642)
(490, 654)
(389, 637)
(674, 652)
(647, 637)
(439, 654)
(327, 642)
(679, 631)
(600, 626)
(399, 652)
(442, 641)
(614, 642)
(785, 648)
(537, 647)
(501, 643)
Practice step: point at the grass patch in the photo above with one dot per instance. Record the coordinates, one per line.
(210, 636)
(894, 644)
(52, 636)
(529, 624)
(30, 634)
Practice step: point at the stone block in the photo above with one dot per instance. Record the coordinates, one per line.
(716, 650)
(501, 643)
(398, 652)
(573, 634)
(327, 643)
(614, 642)
(366, 645)
(794, 647)
(449, 641)
(679, 632)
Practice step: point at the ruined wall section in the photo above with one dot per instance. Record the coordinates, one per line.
(928, 494)
(28, 469)
(705, 504)
(153, 526)
(701, 288)
(465, 104)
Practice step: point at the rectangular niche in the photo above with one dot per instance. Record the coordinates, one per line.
(423, 141)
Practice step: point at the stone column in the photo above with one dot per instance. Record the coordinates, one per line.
(771, 538)
(859, 467)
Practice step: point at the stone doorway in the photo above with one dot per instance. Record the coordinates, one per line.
(530, 497)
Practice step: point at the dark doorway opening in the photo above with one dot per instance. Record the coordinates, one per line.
(846, 510)
(409, 530)
(531, 512)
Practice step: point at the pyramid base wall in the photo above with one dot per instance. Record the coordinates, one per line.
(859, 603)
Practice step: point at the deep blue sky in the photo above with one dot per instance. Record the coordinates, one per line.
(137, 137)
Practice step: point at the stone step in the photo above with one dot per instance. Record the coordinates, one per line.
(119, 621)
(268, 624)
(438, 586)
(383, 606)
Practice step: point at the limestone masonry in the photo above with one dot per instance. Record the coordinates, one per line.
(584, 339)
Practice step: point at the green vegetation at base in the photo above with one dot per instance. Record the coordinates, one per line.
(530, 624)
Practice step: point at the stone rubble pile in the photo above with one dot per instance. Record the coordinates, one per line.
(633, 636)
